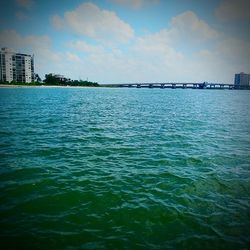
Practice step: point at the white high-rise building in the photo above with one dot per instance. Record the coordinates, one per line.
(16, 66)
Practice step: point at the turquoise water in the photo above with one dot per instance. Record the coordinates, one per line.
(124, 168)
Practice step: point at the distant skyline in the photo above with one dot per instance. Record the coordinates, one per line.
(116, 41)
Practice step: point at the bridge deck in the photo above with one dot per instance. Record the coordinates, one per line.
(179, 85)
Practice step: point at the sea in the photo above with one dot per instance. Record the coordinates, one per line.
(124, 168)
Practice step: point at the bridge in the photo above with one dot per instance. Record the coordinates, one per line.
(171, 85)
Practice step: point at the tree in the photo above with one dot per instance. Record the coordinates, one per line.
(50, 79)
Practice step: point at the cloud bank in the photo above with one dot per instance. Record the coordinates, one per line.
(90, 21)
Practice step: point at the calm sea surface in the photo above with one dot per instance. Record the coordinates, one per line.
(124, 168)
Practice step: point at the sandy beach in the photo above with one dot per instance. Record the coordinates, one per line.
(41, 86)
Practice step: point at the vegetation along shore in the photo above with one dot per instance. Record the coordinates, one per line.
(51, 80)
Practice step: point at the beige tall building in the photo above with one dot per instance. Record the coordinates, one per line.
(16, 66)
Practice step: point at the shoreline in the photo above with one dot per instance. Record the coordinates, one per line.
(42, 86)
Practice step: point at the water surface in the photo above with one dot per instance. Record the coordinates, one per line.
(105, 168)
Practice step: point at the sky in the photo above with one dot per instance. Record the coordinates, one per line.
(128, 41)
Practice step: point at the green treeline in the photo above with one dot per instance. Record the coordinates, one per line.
(51, 80)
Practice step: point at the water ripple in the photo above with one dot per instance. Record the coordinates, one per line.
(124, 169)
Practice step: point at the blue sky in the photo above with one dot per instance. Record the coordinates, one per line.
(115, 41)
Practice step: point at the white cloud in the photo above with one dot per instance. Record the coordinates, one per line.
(85, 47)
(148, 59)
(88, 20)
(57, 22)
(187, 26)
(186, 29)
(73, 57)
(27, 4)
(136, 4)
(231, 10)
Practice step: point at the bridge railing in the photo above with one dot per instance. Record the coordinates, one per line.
(204, 85)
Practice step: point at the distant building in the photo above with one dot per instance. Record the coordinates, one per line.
(60, 78)
(241, 79)
(16, 66)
